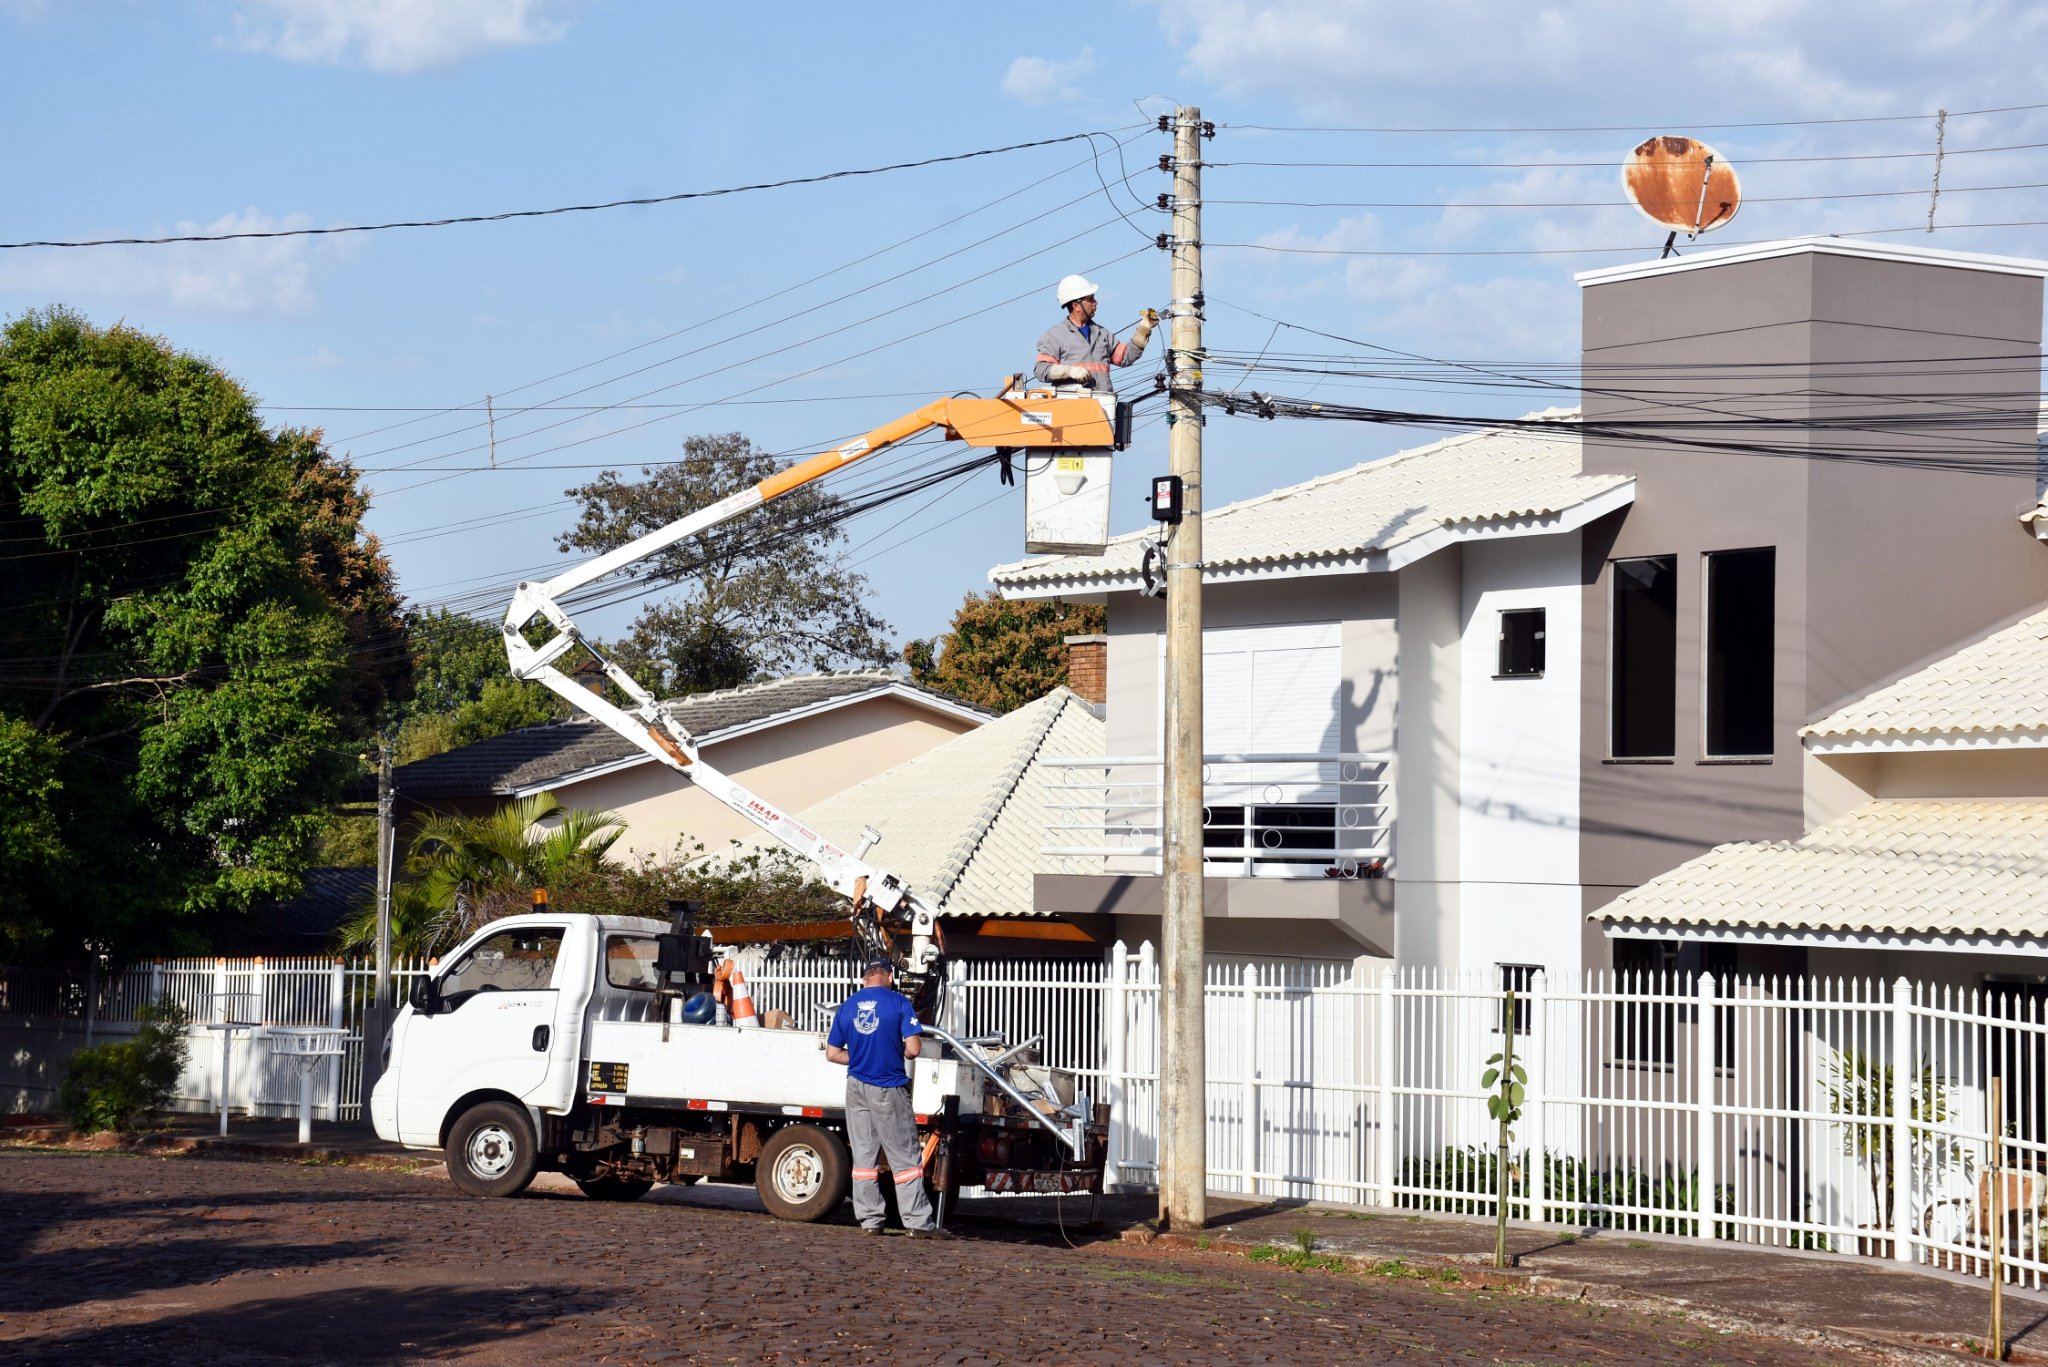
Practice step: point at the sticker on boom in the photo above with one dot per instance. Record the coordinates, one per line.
(608, 1077)
(1034, 418)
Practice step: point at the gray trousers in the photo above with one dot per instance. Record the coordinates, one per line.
(881, 1128)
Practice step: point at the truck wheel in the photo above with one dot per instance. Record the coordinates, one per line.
(612, 1188)
(802, 1173)
(491, 1150)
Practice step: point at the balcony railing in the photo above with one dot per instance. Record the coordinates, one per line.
(1264, 815)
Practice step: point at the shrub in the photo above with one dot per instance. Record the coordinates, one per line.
(111, 1086)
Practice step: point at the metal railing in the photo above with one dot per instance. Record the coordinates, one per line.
(1283, 814)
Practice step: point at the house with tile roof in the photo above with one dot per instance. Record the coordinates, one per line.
(1525, 673)
(963, 824)
(799, 739)
(1928, 849)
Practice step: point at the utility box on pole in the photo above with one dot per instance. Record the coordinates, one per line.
(1183, 1099)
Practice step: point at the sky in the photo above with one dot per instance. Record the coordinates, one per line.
(1419, 181)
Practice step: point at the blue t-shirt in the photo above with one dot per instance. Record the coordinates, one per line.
(871, 1026)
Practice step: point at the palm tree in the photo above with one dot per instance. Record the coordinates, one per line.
(467, 870)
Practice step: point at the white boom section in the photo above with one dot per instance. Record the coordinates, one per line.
(1014, 420)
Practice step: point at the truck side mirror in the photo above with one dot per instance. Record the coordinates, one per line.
(421, 995)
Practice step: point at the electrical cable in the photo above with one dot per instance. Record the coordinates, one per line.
(1637, 128)
(510, 214)
(1607, 164)
(1636, 250)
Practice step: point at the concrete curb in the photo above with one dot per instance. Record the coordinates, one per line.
(1513, 1282)
(171, 1145)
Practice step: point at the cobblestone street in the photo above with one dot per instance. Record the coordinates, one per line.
(132, 1259)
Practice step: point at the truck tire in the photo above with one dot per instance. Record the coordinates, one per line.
(803, 1173)
(613, 1188)
(491, 1151)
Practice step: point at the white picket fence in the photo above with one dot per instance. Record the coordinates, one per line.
(43, 1011)
(1761, 1111)
(1826, 1114)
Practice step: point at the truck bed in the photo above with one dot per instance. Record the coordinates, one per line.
(631, 1064)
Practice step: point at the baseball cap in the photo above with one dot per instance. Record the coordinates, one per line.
(878, 966)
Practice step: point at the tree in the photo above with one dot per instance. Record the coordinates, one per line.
(475, 869)
(1002, 654)
(765, 594)
(195, 633)
(462, 692)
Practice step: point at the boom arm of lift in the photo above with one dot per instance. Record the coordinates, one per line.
(1016, 420)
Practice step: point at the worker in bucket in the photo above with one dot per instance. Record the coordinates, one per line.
(873, 1033)
(1078, 350)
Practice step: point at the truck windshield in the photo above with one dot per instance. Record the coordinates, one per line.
(520, 960)
(629, 962)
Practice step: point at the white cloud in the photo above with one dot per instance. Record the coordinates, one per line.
(1042, 80)
(394, 36)
(250, 277)
(1609, 61)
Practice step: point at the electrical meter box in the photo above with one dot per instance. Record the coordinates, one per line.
(1066, 501)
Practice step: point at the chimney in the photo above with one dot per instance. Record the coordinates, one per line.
(1088, 666)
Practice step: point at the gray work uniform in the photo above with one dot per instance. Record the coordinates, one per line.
(1063, 344)
(872, 1026)
(881, 1128)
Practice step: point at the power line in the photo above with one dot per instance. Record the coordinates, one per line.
(1607, 163)
(1919, 192)
(1637, 249)
(1638, 128)
(510, 214)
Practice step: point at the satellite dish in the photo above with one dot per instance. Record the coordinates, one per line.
(1681, 184)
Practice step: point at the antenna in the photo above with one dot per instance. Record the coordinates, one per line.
(1681, 184)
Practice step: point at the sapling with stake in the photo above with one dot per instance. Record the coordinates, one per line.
(1504, 1081)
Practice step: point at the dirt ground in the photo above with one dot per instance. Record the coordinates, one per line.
(123, 1258)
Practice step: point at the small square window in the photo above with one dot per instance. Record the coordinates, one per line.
(1516, 978)
(1521, 643)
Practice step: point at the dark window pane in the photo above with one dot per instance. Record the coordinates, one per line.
(1644, 658)
(1516, 978)
(1521, 642)
(1741, 610)
(1645, 1031)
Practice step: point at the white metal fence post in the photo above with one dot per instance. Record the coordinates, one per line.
(1383, 1066)
(1249, 982)
(1905, 1084)
(336, 992)
(1115, 1054)
(1537, 1182)
(1706, 1178)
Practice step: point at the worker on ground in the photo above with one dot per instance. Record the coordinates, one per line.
(1078, 350)
(873, 1032)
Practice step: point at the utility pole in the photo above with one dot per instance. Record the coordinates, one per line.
(1183, 1092)
(377, 1021)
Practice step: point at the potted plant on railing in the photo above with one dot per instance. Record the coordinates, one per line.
(1860, 1088)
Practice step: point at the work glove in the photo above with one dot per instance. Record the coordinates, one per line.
(1071, 374)
(1142, 333)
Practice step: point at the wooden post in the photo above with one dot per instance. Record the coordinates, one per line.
(1995, 1349)
(1503, 1187)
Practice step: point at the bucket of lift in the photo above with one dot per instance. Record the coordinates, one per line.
(1066, 492)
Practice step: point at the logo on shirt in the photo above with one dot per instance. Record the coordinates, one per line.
(865, 1020)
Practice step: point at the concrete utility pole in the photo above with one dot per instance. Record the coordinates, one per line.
(377, 1021)
(1183, 1092)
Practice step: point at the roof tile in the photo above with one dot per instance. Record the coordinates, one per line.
(1998, 685)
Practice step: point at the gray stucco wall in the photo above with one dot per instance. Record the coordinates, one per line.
(1878, 567)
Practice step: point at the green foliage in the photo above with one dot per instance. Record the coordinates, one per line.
(471, 870)
(1305, 1238)
(1860, 1087)
(1506, 1081)
(763, 595)
(31, 845)
(1001, 654)
(749, 889)
(200, 631)
(1578, 1193)
(461, 691)
(113, 1086)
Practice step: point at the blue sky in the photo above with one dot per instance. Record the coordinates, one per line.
(805, 315)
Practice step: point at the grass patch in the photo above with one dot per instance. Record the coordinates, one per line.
(1299, 1259)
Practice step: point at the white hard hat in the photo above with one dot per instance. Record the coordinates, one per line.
(1074, 287)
